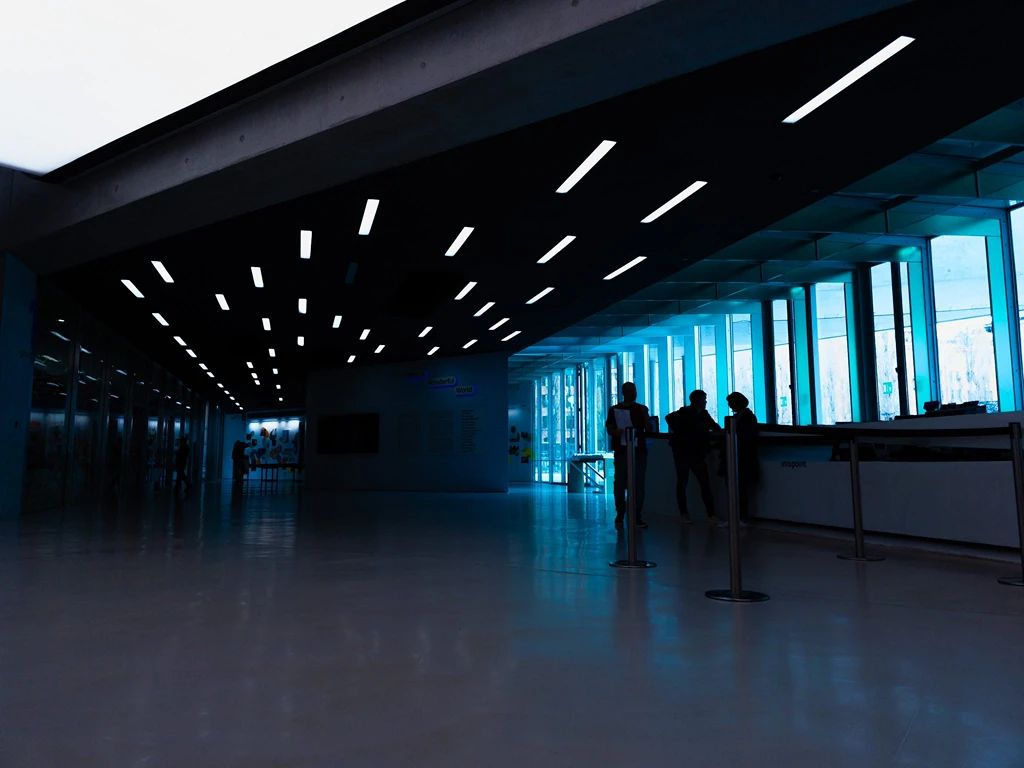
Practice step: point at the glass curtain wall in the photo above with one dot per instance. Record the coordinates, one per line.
(886, 377)
(833, 354)
(783, 363)
(963, 321)
(742, 379)
(707, 371)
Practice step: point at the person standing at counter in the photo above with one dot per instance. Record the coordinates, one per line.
(640, 419)
(748, 471)
(691, 427)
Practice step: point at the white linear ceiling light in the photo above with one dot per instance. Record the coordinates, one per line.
(180, 341)
(210, 374)
(556, 250)
(595, 157)
(220, 385)
(223, 302)
(540, 295)
(850, 78)
(191, 353)
(257, 382)
(159, 267)
(432, 351)
(511, 335)
(337, 322)
(250, 366)
(131, 287)
(365, 334)
(426, 330)
(305, 244)
(266, 323)
(379, 349)
(484, 308)
(459, 241)
(160, 319)
(465, 291)
(254, 375)
(280, 399)
(351, 358)
(278, 386)
(690, 190)
(301, 341)
(203, 366)
(275, 371)
(625, 267)
(469, 344)
(302, 306)
(498, 324)
(272, 352)
(257, 277)
(369, 213)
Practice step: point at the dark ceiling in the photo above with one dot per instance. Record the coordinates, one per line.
(722, 125)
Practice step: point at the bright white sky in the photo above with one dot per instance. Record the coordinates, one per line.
(78, 74)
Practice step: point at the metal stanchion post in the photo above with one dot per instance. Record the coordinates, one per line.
(858, 515)
(735, 593)
(1018, 493)
(632, 561)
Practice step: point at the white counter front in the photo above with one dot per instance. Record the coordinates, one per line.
(965, 501)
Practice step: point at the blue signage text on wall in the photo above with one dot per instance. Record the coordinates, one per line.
(465, 390)
(442, 381)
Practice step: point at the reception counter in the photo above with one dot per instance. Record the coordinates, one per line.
(963, 501)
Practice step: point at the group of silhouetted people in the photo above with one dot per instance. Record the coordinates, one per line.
(691, 428)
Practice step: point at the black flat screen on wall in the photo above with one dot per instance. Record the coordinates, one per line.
(348, 433)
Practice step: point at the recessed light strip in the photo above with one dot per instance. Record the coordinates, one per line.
(337, 322)
(595, 157)
(432, 351)
(266, 323)
(851, 77)
(368, 216)
(484, 308)
(465, 291)
(426, 330)
(469, 344)
(460, 241)
(556, 250)
(305, 244)
(690, 190)
(302, 306)
(498, 324)
(625, 267)
(511, 335)
(163, 271)
(540, 295)
(257, 276)
(131, 287)
(223, 302)
(160, 319)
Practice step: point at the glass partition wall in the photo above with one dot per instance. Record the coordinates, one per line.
(104, 419)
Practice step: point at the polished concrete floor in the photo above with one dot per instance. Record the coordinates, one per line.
(416, 630)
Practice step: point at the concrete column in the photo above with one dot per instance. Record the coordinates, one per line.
(17, 341)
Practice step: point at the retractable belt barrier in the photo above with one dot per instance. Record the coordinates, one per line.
(631, 561)
(824, 436)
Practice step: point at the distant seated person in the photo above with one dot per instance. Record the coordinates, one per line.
(691, 428)
(748, 470)
(631, 413)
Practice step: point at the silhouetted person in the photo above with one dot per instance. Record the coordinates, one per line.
(748, 471)
(239, 461)
(640, 418)
(181, 467)
(691, 428)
